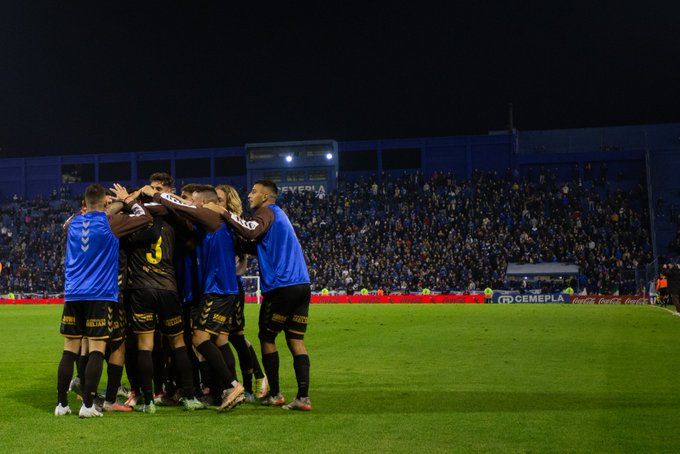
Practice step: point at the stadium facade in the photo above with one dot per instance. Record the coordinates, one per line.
(628, 154)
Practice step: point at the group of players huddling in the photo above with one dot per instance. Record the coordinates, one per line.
(152, 281)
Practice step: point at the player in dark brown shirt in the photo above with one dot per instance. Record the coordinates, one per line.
(151, 297)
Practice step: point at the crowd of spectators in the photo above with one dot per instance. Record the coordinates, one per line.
(32, 245)
(407, 233)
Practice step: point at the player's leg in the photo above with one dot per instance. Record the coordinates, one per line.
(170, 318)
(143, 324)
(72, 332)
(271, 322)
(210, 318)
(261, 385)
(245, 360)
(222, 342)
(296, 327)
(116, 360)
(97, 330)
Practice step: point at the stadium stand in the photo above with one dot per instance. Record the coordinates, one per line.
(402, 234)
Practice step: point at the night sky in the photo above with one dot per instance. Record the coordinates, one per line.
(79, 77)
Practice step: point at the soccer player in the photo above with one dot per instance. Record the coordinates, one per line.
(285, 285)
(153, 298)
(229, 199)
(91, 286)
(217, 271)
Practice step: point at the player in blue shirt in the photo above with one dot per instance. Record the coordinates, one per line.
(91, 289)
(285, 286)
(219, 288)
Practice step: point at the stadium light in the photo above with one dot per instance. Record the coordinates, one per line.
(289, 158)
(329, 156)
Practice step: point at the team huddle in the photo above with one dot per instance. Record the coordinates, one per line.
(153, 286)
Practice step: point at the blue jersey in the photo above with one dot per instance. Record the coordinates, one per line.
(187, 275)
(279, 255)
(91, 263)
(216, 261)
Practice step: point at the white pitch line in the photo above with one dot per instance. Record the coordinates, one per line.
(663, 309)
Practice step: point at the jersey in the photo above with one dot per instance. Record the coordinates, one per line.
(150, 262)
(279, 254)
(216, 259)
(91, 259)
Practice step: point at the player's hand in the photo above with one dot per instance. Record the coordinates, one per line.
(148, 190)
(212, 206)
(120, 191)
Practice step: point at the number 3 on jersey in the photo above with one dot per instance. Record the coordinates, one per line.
(155, 255)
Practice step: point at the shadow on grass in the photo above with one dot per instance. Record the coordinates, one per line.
(369, 402)
(41, 395)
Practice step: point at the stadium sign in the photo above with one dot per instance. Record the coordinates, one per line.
(609, 299)
(545, 298)
(319, 189)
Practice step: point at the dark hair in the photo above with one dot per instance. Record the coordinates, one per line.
(94, 194)
(190, 187)
(165, 179)
(269, 184)
(207, 192)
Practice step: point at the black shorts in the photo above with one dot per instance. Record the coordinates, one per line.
(149, 305)
(91, 319)
(238, 319)
(285, 308)
(118, 322)
(213, 313)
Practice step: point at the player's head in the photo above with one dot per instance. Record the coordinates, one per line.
(188, 191)
(264, 192)
(229, 198)
(95, 197)
(162, 182)
(205, 194)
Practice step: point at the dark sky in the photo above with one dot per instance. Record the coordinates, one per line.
(79, 77)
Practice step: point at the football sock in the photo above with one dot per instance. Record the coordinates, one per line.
(301, 366)
(270, 361)
(93, 372)
(145, 371)
(114, 374)
(214, 357)
(257, 370)
(64, 375)
(229, 359)
(81, 364)
(184, 372)
(244, 359)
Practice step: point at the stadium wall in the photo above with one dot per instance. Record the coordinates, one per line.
(621, 149)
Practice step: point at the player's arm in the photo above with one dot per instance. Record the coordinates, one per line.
(192, 213)
(156, 209)
(123, 224)
(253, 229)
(148, 235)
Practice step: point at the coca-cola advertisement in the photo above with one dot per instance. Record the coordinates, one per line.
(609, 299)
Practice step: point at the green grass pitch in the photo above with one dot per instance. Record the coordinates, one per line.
(429, 378)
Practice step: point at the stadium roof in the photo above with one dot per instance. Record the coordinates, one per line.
(542, 269)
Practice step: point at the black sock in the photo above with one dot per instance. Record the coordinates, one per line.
(207, 380)
(131, 363)
(184, 372)
(159, 372)
(257, 370)
(270, 361)
(80, 365)
(93, 372)
(145, 371)
(229, 359)
(64, 375)
(214, 357)
(114, 373)
(301, 366)
(244, 359)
